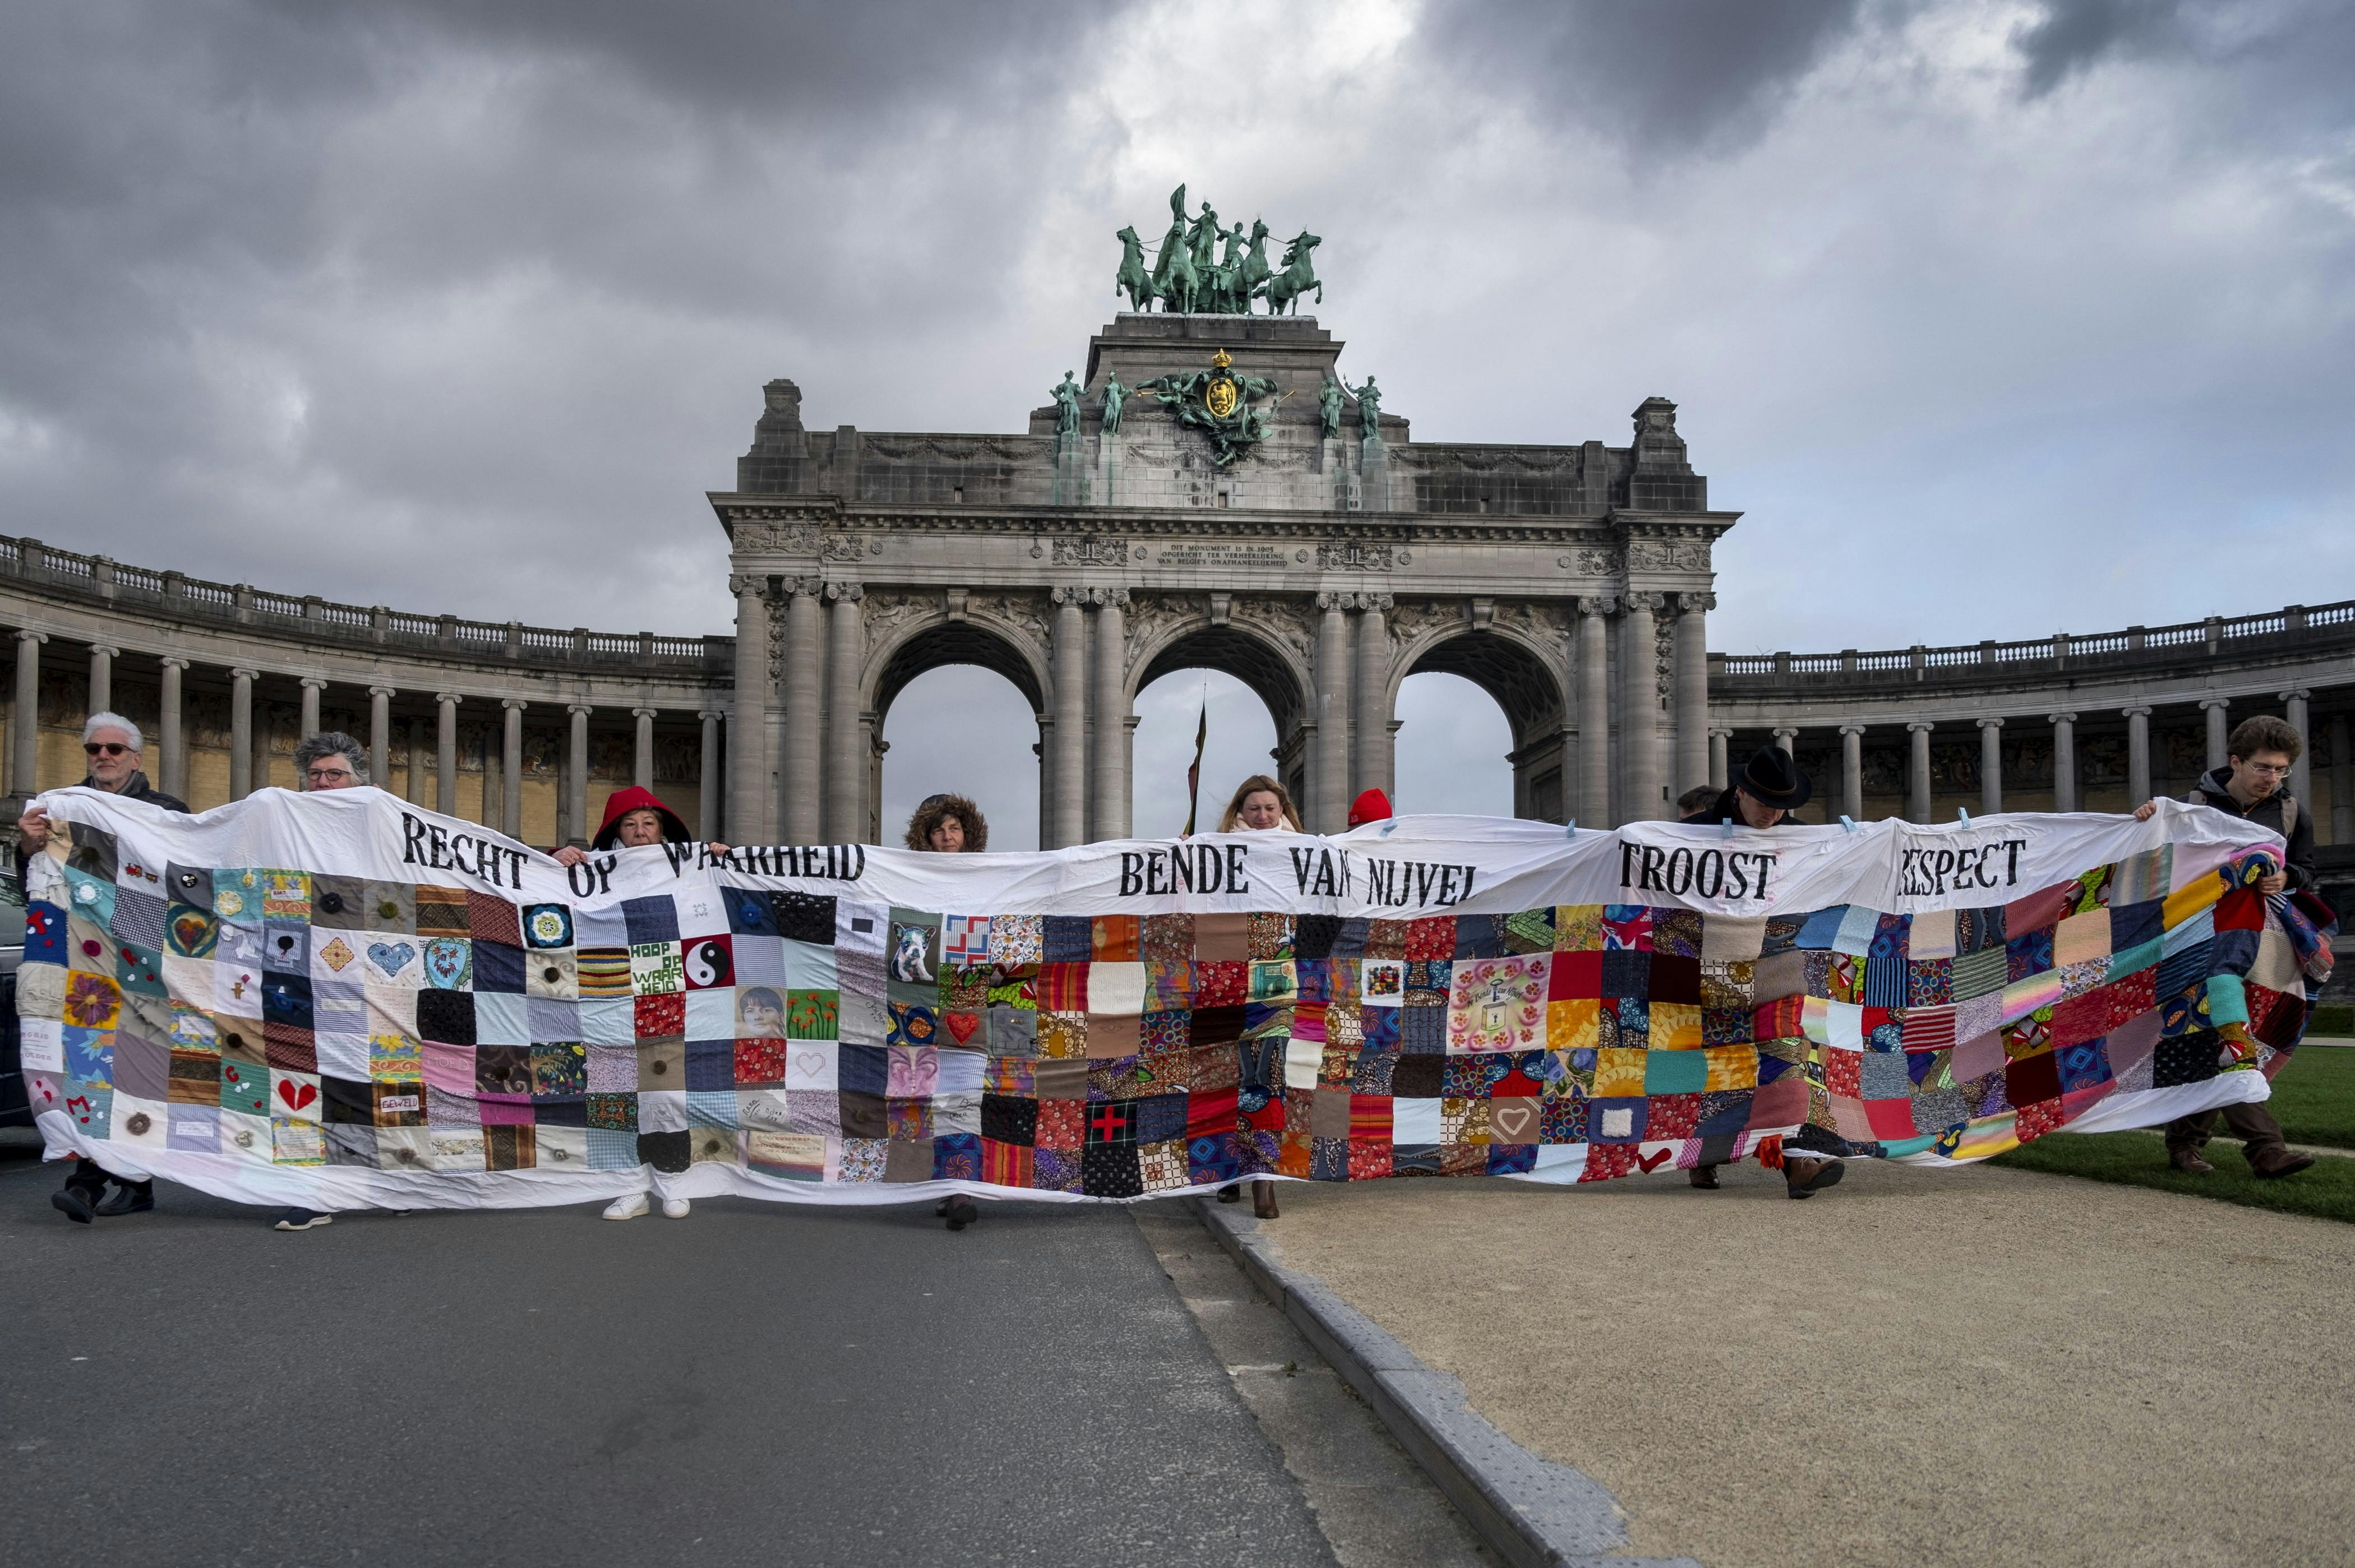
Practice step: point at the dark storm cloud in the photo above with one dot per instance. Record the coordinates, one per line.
(370, 280)
(1664, 76)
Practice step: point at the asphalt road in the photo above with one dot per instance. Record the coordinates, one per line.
(754, 1383)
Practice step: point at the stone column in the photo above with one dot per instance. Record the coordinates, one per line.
(576, 783)
(1852, 772)
(1594, 712)
(748, 772)
(642, 757)
(445, 757)
(416, 781)
(1720, 765)
(1639, 705)
(2301, 773)
(1370, 726)
(101, 676)
(2138, 754)
(2342, 782)
(511, 769)
(173, 765)
(846, 746)
(1692, 688)
(24, 744)
(1330, 811)
(1067, 757)
(805, 819)
(2218, 728)
(707, 794)
(380, 736)
(311, 686)
(1917, 796)
(1990, 766)
(2064, 762)
(1109, 802)
(241, 732)
(1787, 739)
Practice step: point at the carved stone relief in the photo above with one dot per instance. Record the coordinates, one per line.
(1091, 552)
(1288, 621)
(1356, 555)
(1150, 616)
(1026, 611)
(1659, 555)
(888, 613)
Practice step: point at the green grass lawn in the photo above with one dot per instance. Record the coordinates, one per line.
(2314, 1096)
(2138, 1159)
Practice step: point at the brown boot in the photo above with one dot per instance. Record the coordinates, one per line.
(2278, 1162)
(1804, 1175)
(2186, 1160)
(1263, 1200)
(1703, 1177)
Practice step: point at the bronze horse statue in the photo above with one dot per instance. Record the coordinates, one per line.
(1284, 289)
(1134, 279)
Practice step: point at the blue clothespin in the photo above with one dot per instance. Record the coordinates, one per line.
(1848, 822)
(1727, 823)
(1570, 828)
(1389, 826)
(1964, 814)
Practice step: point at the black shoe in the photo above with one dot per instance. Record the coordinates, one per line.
(961, 1212)
(1231, 1193)
(128, 1198)
(76, 1203)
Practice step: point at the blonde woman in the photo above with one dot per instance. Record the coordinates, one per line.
(1261, 805)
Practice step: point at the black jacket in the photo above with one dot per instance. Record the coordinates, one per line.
(1725, 808)
(136, 787)
(2267, 813)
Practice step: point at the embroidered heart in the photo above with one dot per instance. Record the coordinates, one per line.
(447, 959)
(809, 1064)
(962, 1026)
(1512, 1121)
(190, 932)
(297, 1095)
(1654, 1161)
(391, 958)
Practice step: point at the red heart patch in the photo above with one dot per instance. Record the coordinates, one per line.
(962, 1025)
(297, 1095)
(1654, 1161)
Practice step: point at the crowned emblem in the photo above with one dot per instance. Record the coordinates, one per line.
(1233, 410)
(1221, 394)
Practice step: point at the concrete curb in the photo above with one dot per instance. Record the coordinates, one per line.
(1530, 1510)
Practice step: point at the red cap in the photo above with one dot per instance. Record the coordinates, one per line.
(1371, 807)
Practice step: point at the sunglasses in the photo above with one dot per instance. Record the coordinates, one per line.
(110, 748)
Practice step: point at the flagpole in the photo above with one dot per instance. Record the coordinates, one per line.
(1194, 773)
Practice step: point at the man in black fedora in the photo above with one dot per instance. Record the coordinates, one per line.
(1772, 786)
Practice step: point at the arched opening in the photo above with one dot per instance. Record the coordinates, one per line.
(957, 708)
(1242, 741)
(1455, 748)
(1503, 756)
(1257, 704)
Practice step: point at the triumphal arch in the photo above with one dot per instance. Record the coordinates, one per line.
(1216, 490)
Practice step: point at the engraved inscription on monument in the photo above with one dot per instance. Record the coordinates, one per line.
(1220, 556)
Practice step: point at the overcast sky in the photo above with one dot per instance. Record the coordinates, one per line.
(1992, 318)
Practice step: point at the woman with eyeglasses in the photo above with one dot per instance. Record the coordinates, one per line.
(950, 824)
(1260, 804)
(113, 745)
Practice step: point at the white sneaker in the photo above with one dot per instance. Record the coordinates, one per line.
(629, 1206)
(674, 1208)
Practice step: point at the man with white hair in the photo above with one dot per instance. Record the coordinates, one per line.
(113, 746)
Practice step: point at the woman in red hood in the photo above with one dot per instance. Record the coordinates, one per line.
(634, 817)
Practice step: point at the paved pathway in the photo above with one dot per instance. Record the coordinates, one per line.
(1921, 1367)
(751, 1384)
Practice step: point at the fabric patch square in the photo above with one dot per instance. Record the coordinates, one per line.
(651, 919)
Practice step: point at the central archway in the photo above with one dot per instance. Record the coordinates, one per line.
(973, 695)
(1516, 672)
(1263, 665)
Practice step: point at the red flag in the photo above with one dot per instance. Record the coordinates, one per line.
(1194, 773)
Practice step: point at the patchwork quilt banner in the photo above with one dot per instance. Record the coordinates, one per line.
(339, 1000)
